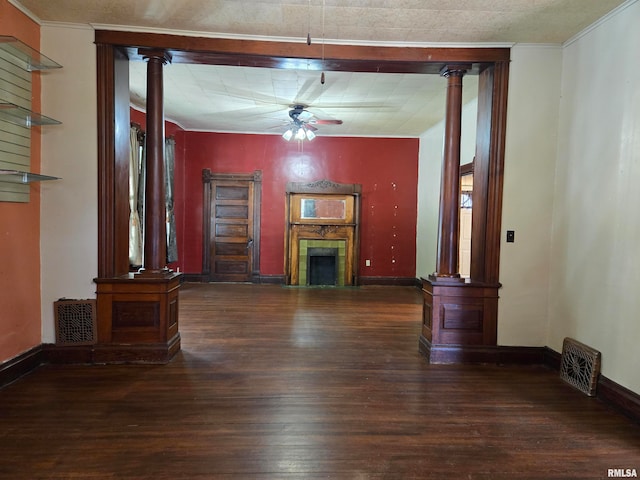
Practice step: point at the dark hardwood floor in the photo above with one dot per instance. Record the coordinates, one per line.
(294, 383)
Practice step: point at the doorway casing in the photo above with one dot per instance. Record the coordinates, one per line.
(116, 48)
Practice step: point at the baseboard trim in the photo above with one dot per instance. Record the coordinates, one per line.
(193, 278)
(282, 280)
(619, 397)
(388, 281)
(552, 359)
(273, 279)
(481, 354)
(21, 365)
(68, 354)
(514, 355)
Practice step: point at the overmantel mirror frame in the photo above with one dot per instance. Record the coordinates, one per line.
(116, 48)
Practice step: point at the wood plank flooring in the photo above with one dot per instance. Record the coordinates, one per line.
(294, 383)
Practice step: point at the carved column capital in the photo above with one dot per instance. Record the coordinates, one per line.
(455, 70)
(155, 54)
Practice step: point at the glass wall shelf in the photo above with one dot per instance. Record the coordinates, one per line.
(31, 59)
(21, 116)
(26, 177)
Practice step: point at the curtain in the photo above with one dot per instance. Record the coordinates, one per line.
(169, 166)
(137, 174)
(135, 230)
(142, 183)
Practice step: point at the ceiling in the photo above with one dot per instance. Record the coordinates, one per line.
(244, 99)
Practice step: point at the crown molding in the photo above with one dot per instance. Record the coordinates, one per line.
(26, 11)
(67, 25)
(618, 10)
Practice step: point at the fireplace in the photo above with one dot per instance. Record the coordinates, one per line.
(321, 241)
(322, 266)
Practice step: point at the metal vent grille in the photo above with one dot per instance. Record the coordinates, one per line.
(580, 366)
(75, 322)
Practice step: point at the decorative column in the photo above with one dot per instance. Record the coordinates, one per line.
(155, 232)
(458, 317)
(138, 313)
(448, 225)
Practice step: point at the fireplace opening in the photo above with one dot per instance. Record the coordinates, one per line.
(322, 266)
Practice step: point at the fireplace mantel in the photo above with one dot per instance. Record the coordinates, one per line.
(322, 213)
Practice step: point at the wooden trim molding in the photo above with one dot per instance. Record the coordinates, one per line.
(207, 178)
(21, 365)
(113, 161)
(273, 279)
(297, 55)
(115, 49)
(619, 397)
(324, 187)
(390, 281)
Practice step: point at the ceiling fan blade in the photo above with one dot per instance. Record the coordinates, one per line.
(326, 122)
(302, 92)
(311, 127)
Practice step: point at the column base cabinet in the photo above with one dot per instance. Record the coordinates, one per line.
(459, 323)
(137, 319)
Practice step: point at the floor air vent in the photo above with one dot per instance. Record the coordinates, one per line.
(580, 366)
(75, 322)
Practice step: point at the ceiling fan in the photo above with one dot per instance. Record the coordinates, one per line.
(302, 123)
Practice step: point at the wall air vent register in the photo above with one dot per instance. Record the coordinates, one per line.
(580, 366)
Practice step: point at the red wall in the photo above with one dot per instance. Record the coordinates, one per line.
(387, 168)
(140, 118)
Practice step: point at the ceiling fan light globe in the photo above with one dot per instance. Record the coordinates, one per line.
(287, 135)
(310, 135)
(300, 135)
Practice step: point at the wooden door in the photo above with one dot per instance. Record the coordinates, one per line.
(231, 242)
(231, 231)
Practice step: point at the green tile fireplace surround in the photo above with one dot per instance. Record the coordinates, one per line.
(305, 245)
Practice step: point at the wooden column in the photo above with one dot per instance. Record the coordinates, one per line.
(137, 314)
(448, 225)
(459, 317)
(155, 233)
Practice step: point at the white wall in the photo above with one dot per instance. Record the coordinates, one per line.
(530, 158)
(530, 155)
(595, 258)
(429, 173)
(69, 206)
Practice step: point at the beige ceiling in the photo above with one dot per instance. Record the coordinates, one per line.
(256, 100)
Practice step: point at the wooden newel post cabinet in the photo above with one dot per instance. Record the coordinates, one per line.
(138, 312)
